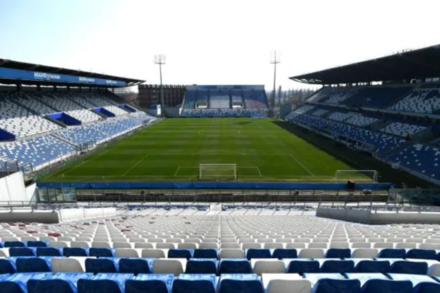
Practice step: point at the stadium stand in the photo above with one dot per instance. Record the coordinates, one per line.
(311, 255)
(225, 101)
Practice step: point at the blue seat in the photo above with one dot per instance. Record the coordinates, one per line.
(373, 266)
(258, 253)
(49, 251)
(246, 283)
(157, 283)
(427, 288)
(22, 251)
(188, 283)
(408, 267)
(338, 266)
(17, 283)
(206, 253)
(281, 253)
(387, 286)
(235, 266)
(33, 265)
(7, 266)
(37, 244)
(421, 254)
(14, 244)
(392, 253)
(301, 267)
(102, 252)
(108, 283)
(58, 283)
(180, 253)
(135, 265)
(340, 286)
(201, 266)
(75, 251)
(338, 253)
(101, 265)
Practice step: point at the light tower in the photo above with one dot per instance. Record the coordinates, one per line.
(275, 58)
(160, 59)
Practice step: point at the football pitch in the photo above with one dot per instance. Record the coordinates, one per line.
(173, 149)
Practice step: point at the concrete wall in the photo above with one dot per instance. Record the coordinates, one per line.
(12, 188)
(378, 218)
(55, 216)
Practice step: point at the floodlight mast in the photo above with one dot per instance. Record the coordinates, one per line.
(160, 59)
(275, 58)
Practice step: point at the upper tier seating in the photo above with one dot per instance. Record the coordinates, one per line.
(359, 120)
(237, 97)
(190, 99)
(202, 99)
(219, 100)
(19, 120)
(376, 97)
(419, 101)
(338, 116)
(319, 112)
(403, 129)
(332, 96)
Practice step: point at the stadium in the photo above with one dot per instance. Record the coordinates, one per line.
(206, 188)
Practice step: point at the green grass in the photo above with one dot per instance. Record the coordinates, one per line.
(173, 149)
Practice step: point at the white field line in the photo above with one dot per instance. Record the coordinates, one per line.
(299, 163)
(135, 165)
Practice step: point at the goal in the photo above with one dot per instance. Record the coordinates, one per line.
(357, 175)
(217, 171)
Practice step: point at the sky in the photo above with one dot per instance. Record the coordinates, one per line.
(210, 41)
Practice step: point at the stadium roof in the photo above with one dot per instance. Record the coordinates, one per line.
(29, 67)
(417, 64)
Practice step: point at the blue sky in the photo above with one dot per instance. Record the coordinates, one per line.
(211, 42)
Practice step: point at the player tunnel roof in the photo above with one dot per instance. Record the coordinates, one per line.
(13, 72)
(417, 64)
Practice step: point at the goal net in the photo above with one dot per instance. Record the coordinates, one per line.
(356, 175)
(217, 171)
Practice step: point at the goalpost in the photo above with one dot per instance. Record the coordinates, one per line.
(357, 175)
(218, 171)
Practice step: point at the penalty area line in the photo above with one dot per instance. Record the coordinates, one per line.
(135, 165)
(299, 163)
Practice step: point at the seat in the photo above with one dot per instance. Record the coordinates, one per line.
(427, 288)
(153, 253)
(331, 286)
(231, 253)
(303, 266)
(166, 245)
(122, 245)
(37, 244)
(210, 245)
(59, 282)
(150, 283)
(364, 253)
(33, 265)
(338, 266)
(235, 266)
(258, 253)
(281, 253)
(201, 266)
(268, 267)
(421, 254)
(372, 266)
(75, 251)
(7, 266)
(206, 253)
(285, 283)
(49, 251)
(7, 244)
(240, 283)
(188, 283)
(311, 253)
(109, 283)
(169, 266)
(102, 252)
(126, 252)
(22, 251)
(71, 265)
(408, 267)
(101, 265)
(135, 265)
(392, 253)
(17, 283)
(338, 253)
(387, 286)
(143, 245)
(181, 253)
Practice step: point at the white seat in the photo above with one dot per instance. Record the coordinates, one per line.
(153, 253)
(68, 264)
(144, 245)
(126, 252)
(122, 245)
(311, 253)
(208, 245)
(231, 253)
(268, 266)
(169, 266)
(285, 283)
(364, 253)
